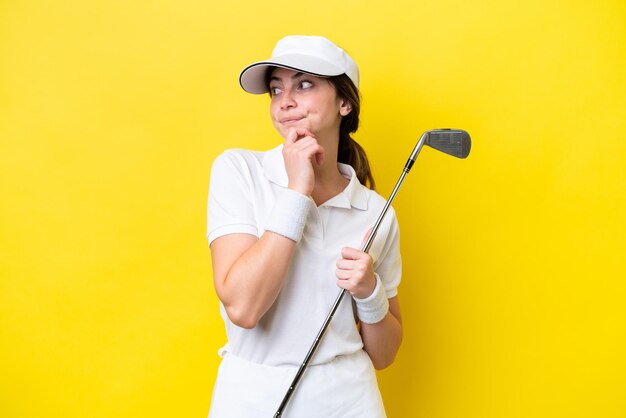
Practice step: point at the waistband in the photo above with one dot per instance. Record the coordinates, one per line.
(345, 387)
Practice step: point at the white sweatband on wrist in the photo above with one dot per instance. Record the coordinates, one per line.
(373, 308)
(289, 214)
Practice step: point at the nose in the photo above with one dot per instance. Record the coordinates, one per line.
(287, 101)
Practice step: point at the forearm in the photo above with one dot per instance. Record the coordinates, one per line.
(252, 283)
(249, 272)
(382, 340)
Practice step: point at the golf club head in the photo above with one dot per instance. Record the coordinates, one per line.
(455, 142)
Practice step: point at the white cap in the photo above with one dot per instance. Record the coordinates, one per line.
(314, 55)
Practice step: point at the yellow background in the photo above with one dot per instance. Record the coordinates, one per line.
(111, 113)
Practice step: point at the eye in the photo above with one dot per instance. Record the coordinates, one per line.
(305, 84)
(274, 90)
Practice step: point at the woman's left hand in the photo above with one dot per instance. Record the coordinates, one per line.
(355, 271)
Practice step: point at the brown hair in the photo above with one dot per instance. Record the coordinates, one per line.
(349, 152)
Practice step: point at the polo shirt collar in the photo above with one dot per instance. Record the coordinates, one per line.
(354, 195)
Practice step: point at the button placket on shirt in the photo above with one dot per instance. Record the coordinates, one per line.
(315, 225)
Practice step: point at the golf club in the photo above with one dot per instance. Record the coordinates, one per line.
(453, 142)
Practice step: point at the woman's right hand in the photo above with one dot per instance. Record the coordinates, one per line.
(300, 152)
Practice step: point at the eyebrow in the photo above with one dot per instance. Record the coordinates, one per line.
(293, 77)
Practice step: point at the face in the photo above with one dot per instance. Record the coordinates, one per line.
(305, 101)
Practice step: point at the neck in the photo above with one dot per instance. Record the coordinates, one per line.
(329, 181)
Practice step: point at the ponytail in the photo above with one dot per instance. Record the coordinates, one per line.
(353, 154)
(350, 152)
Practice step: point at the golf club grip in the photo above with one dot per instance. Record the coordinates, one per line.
(329, 317)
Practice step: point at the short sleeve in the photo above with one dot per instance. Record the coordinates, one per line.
(388, 262)
(230, 205)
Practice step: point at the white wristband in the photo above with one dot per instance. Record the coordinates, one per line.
(289, 214)
(373, 308)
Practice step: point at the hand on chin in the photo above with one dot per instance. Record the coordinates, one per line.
(285, 128)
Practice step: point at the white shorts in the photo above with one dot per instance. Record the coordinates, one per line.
(343, 388)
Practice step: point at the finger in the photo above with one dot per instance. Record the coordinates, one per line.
(296, 134)
(345, 264)
(303, 143)
(302, 132)
(306, 152)
(350, 253)
(347, 285)
(292, 136)
(343, 274)
(314, 151)
(298, 143)
(311, 149)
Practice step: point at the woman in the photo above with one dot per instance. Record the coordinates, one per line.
(284, 228)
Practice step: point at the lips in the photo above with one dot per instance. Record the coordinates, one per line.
(290, 120)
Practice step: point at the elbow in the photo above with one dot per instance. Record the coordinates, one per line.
(245, 323)
(380, 364)
(385, 358)
(241, 317)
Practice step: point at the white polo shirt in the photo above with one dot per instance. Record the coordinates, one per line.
(243, 189)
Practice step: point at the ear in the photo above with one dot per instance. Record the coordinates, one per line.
(344, 107)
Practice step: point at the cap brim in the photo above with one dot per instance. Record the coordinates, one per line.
(252, 78)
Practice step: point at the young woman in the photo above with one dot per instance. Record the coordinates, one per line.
(285, 227)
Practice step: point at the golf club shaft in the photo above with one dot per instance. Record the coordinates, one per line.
(453, 142)
(329, 317)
